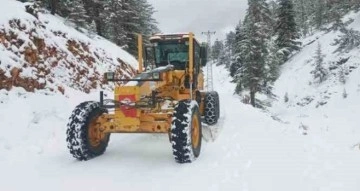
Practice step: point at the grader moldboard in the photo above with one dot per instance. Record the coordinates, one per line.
(168, 97)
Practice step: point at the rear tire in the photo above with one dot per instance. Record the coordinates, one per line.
(212, 108)
(81, 129)
(186, 132)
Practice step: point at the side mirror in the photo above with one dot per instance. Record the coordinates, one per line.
(203, 55)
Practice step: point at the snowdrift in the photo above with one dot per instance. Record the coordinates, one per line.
(40, 51)
(329, 109)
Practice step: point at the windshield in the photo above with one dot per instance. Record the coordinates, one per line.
(174, 52)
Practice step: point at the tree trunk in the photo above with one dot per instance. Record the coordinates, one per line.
(99, 27)
(98, 21)
(53, 5)
(252, 98)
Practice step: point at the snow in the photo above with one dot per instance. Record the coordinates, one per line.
(252, 152)
(306, 148)
(327, 113)
(59, 38)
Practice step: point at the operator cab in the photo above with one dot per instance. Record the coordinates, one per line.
(175, 53)
(173, 49)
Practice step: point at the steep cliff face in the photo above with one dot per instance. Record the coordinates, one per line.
(39, 51)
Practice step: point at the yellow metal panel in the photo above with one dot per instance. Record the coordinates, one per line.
(145, 88)
(127, 90)
(119, 115)
(191, 56)
(200, 81)
(140, 52)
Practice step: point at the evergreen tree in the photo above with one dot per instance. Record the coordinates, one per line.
(319, 72)
(117, 20)
(342, 74)
(273, 7)
(92, 28)
(217, 49)
(319, 13)
(286, 29)
(273, 62)
(226, 55)
(113, 17)
(253, 49)
(304, 11)
(138, 20)
(124, 19)
(94, 9)
(236, 61)
(78, 13)
(348, 40)
(147, 23)
(131, 25)
(230, 42)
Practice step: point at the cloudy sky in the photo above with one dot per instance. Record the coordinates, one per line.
(199, 15)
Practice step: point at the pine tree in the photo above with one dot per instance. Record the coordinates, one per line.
(92, 28)
(273, 7)
(131, 25)
(348, 40)
(78, 14)
(286, 29)
(273, 62)
(225, 57)
(117, 20)
(138, 20)
(217, 49)
(236, 61)
(113, 17)
(314, 14)
(253, 49)
(230, 45)
(319, 13)
(342, 74)
(230, 42)
(319, 72)
(148, 24)
(122, 20)
(94, 10)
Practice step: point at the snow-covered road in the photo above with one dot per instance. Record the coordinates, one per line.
(252, 152)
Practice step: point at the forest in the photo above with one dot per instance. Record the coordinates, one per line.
(270, 34)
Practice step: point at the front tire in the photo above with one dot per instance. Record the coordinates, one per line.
(84, 137)
(186, 132)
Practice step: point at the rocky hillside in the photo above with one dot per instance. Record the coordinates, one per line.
(39, 51)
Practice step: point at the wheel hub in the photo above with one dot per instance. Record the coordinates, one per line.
(195, 132)
(96, 134)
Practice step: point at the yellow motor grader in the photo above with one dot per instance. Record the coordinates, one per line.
(166, 96)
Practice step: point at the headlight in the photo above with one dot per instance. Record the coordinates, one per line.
(156, 76)
(110, 76)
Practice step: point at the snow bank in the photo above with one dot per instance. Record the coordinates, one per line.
(39, 51)
(327, 112)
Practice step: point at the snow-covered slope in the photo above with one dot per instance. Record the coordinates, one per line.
(329, 110)
(252, 152)
(39, 51)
